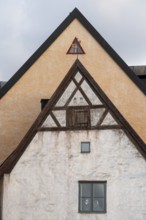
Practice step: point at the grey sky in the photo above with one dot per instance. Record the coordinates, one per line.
(25, 25)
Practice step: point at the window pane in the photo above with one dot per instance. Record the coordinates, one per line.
(85, 204)
(98, 205)
(81, 117)
(98, 190)
(85, 147)
(85, 190)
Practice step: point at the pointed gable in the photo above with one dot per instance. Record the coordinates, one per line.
(79, 106)
(75, 14)
(39, 77)
(103, 115)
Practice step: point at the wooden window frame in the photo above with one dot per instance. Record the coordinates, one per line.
(92, 197)
(72, 112)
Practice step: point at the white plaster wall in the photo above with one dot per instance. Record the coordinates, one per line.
(61, 117)
(44, 183)
(95, 115)
(78, 100)
(66, 94)
(90, 94)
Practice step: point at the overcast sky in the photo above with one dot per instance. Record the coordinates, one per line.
(25, 25)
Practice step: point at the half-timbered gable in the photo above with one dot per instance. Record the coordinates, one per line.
(84, 154)
(79, 157)
(78, 106)
(42, 73)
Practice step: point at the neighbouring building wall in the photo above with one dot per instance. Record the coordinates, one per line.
(21, 105)
(1, 185)
(45, 179)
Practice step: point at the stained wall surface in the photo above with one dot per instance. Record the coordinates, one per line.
(21, 105)
(46, 178)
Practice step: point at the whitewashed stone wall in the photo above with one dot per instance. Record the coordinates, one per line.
(44, 183)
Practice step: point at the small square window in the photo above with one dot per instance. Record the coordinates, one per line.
(85, 147)
(92, 197)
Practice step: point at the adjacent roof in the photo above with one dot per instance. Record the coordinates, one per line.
(139, 70)
(2, 83)
(75, 14)
(10, 162)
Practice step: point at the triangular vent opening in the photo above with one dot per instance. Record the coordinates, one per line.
(75, 47)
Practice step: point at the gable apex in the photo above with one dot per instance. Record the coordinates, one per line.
(75, 14)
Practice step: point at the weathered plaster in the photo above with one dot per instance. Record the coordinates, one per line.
(61, 117)
(44, 183)
(66, 94)
(95, 115)
(78, 99)
(78, 77)
(21, 105)
(90, 94)
(49, 122)
(109, 120)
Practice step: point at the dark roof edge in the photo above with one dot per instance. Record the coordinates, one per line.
(11, 161)
(111, 52)
(38, 53)
(74, 14)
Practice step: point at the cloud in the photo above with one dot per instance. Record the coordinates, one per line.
(123, 26)
(26, 24)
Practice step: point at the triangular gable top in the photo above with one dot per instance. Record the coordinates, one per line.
(75, 14)
(78, 106)
(107, 110)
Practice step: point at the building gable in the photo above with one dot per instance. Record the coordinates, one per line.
(42, 73)
(75, 14)
(103, 113)
(79, 107)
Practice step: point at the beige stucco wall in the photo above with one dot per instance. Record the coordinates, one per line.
(21, 105)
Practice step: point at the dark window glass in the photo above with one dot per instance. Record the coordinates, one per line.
(85, 204)
(98, 205)
(98, 190)
(92, 197)
(78, 117)
(85, 190)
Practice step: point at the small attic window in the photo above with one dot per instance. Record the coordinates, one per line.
(78, 117)
(43, 103)
(75, 47)
(85, 147)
